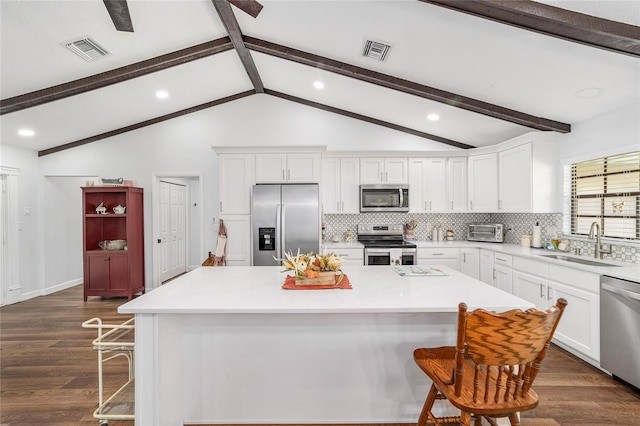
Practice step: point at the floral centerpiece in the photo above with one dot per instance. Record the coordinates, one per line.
(313, 269)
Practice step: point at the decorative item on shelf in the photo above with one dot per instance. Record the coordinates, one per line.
(101, 209)
(409, 230)
(119, 209)
(312, 269)
(113, 245)
(113, 182)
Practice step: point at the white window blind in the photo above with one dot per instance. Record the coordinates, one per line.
(606, 191)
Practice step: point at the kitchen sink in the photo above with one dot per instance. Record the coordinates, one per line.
(578, 260)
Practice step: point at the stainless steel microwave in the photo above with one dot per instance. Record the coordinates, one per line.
(384, 198)
(488, 232)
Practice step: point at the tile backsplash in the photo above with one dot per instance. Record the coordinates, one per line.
(515, 224)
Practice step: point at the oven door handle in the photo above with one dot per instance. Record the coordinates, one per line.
(376, 251)
(622, 292)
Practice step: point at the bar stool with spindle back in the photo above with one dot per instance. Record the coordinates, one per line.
(489, 373)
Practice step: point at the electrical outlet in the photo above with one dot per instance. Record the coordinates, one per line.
(27, 211)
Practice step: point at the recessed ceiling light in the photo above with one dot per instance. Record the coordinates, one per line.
(162, 94)
(26, 132)
(590, 92)
(318, 85)
(433, 117)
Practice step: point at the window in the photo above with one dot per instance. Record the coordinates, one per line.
(606, 191)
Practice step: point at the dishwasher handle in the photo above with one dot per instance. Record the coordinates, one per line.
(621, 291)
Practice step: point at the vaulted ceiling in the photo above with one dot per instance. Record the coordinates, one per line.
(491, 69)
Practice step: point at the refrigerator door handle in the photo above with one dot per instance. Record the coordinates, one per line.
(279, 240)
(283, 227)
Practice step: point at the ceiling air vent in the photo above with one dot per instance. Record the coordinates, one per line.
(377, 50)
(87, 49)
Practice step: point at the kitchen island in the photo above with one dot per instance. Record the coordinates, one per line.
(229, 345)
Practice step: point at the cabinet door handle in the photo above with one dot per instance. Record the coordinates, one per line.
(342, 206)
(452, 205)
(471, 204)
(220, 205)
(430, 206)
(288, 174)
(541, 290)
(283, 174)
(106, 259)
(386, 176)
(464, 257)
(549, 289)
(437, 254)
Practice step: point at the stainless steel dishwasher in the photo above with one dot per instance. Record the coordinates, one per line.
(620, 328)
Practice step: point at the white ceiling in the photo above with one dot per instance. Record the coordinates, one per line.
(433, 46)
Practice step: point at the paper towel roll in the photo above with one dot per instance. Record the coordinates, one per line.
(536, 240)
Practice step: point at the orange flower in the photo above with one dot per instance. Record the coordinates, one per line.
(311, 273)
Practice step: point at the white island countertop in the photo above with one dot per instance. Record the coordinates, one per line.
(258, 289)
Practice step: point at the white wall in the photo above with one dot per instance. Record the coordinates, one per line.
(615, 132)
(62, 216)
(30, 249)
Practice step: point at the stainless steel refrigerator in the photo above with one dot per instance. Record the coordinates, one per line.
(284, 218)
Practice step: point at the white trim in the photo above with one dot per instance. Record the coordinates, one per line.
(267, 149)
(599, 154)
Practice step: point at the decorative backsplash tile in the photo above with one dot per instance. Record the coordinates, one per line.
(515, 224)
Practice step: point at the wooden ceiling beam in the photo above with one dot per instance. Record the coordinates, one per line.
(233, 29)
(368, 119)
(553, 21)
(145, 123)
(405, 86)
(117, 75)
(119, 13)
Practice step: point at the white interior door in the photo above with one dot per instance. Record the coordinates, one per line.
(178, 224)
(164, 249)
(172, 230)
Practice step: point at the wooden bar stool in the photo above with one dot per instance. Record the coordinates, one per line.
(490, 371)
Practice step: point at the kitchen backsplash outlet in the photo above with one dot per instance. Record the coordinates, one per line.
(516, 224)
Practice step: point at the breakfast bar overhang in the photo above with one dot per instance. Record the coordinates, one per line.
(230, 345)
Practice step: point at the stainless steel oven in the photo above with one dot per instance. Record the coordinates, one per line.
(385, 245)
(385, 256)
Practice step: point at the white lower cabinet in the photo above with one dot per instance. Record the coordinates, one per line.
(239, 229)
(349, 256)
(440, 256)
(503, 274)
(470, 262)
(486, 267)
(542, 284)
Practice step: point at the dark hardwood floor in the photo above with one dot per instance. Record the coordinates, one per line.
(48, 371)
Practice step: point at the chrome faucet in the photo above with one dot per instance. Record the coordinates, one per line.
(594, 232)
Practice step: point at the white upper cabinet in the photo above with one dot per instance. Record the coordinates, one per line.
(515, 179)
(383, 170)
(340, 185)
(483, 183)
(428, 185)
(457, 183)
(528, 176)
(236, 179)
(288, 168)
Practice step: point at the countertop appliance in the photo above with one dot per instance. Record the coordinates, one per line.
(284, 218)
(385, 245)
(487, 232)
(619, 332)
(384, 198)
